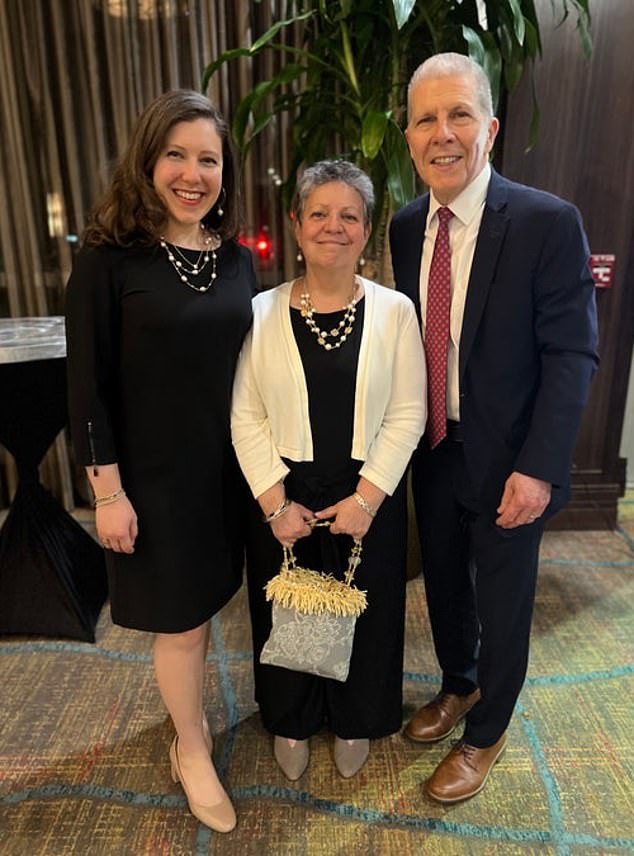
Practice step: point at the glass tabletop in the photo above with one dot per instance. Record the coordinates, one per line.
(26, 339)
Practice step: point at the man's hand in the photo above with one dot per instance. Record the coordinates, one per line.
(523, 501)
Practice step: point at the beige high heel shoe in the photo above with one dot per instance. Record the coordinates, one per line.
(220, 816)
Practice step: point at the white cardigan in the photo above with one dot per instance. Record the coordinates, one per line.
(270, 416)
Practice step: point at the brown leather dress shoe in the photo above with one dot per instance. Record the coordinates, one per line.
(463, 772)
(438, 718)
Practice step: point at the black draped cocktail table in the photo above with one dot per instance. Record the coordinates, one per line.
(52, 573)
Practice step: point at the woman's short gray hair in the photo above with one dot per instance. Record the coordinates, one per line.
(450, 65)
(326, 171)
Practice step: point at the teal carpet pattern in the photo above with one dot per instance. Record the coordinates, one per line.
(83, 741)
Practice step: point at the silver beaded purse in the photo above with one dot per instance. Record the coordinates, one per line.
(314, 617)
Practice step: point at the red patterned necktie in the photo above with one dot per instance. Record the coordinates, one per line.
(437, 330)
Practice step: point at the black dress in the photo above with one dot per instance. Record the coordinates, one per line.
(150, 368)
(368, 703)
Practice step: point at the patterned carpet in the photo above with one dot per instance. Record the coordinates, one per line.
(83, 741)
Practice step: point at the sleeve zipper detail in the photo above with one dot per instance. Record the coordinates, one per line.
(91, 444)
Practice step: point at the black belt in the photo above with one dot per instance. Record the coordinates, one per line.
(454, 431)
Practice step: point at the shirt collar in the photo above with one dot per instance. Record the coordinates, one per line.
(469, 202)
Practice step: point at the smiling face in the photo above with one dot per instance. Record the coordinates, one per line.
(331, 232)
(188, 176)
(448, 134)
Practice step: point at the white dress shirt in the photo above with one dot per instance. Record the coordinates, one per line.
(467, 209)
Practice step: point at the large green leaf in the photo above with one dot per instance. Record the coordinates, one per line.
(518, 20)
(241, 118)
(251, 103)
(402, 11)
(493, 66)
(213, 67)
(274, 30)
(533, 131)
(348, 57)
(400, 172)
(531, 42)
(259, 126)
(346, 7)
(514, 67)
(373, 132)
(483, 49)
(505, 41)
(530, 17)
(289, 72)
(380, 189)
(583, 24)
(323, 10)
(475, 47)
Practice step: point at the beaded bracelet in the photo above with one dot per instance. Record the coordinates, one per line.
(365, 505)
(107, 500)
(279, 511)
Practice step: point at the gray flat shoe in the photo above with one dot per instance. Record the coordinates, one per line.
(351, 755)
(293, 760)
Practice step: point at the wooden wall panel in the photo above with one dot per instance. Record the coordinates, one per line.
(585, 153)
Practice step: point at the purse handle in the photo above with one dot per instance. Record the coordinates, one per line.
(354, 559)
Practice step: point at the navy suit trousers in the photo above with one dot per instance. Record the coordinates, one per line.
(480, 586)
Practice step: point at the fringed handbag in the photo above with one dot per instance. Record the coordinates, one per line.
(314, 617)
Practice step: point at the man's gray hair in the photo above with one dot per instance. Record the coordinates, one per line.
(326, 171)
(450, 65)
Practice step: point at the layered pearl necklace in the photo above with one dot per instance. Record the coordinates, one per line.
(340, 333)
(184, 268)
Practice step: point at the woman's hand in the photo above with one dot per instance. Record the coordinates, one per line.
(292, 525)
(349, 518)
(117, 525)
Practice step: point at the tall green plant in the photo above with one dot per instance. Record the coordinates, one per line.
(344, 86)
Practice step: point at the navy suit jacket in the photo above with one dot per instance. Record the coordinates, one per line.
(528, 347)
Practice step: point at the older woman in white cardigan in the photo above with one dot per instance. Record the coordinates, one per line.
(328, 406)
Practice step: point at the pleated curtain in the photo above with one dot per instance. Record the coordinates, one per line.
(74, 75)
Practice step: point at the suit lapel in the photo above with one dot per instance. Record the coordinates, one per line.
(488, 245)
(410, 249)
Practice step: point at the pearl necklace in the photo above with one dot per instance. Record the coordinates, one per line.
(184, 268)
(343, 328)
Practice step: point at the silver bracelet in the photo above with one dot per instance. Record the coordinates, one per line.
(365, 505)
(108, 500)
(279, 511)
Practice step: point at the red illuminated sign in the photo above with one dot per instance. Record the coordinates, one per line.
(602, 269)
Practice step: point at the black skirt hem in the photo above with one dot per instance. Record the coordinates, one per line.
(144, 626)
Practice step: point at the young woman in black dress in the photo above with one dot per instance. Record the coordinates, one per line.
(158, 304)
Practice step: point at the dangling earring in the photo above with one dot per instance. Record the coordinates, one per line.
(361, 261)
(223, 194)
(299, 256)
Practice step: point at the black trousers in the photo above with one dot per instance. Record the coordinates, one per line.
(369, 703)
(480, 586)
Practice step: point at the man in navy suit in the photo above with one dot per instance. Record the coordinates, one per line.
(520, 351)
